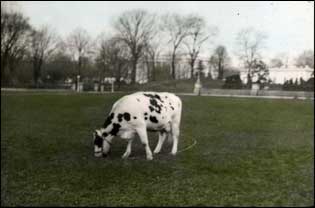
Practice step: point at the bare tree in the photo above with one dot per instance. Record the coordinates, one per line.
(306, 58)
(80, 45)
(197, 36)
(58, 65)
(43, 43)
(152, 52)
(14, 39)
(112, 59)
(135, 28)
(219, 60)
(249, 45)
(177, 28)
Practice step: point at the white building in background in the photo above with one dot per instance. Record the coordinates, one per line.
(282, 74)
(276, 75)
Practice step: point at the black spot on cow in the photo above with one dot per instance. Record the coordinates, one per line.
(134, 117)
(172, 107)
(138, 99)
(145, 113)
(104, 134)
(108, 120)
(162, 117)
(98, 141)
(127, 116)
(157, 96)
(120, 116)
(165, 96)
(115, 129)
(154, 102)
(170, 103)
(155, 105)
(146, 118)
(153, 119)
(153, 96)
(148, 95)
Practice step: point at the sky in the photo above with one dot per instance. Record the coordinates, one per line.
(288, 25)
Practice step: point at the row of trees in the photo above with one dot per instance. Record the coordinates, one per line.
(138, 37)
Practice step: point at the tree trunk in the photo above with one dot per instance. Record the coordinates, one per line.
(249, 78)
(101, 77)
(173, 66)
(4, 69)
(118, 75)
(35, 74)
(192, 64)
(220, 67)
(147, 62)
(134, 71)
(249, 81)
(79, 65)
(37, 65)
(153, 71)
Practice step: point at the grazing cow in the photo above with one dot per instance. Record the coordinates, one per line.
(137, 113)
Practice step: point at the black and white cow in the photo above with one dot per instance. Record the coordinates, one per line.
(137, 113)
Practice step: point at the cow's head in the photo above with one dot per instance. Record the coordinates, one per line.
(101, 143)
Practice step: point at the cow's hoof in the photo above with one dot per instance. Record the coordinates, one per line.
(150, 157)
(173, 153)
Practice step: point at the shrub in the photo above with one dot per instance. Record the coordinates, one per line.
(295, 86)
(233, 82)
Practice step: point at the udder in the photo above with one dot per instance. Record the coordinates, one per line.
(127, 134)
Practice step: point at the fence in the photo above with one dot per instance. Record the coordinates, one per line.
(261, 93)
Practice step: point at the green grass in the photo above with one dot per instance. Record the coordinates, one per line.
(250, 152)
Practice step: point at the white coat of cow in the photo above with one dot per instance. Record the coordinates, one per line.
(137, 113)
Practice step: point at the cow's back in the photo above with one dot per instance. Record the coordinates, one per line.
(155, 109)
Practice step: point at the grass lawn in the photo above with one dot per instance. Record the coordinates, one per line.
(249, 152)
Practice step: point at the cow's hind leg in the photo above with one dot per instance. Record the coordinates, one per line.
(128, 149)
(162, 137)
(175, 135)
(142, 132)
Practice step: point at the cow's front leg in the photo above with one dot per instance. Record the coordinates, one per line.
(162, 137)
(128, 149)
(142, 132)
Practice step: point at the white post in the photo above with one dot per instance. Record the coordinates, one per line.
(73, 87)
(112, 86)
(255, 89)
(78, 82)
(197, 89)
(96, 86)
